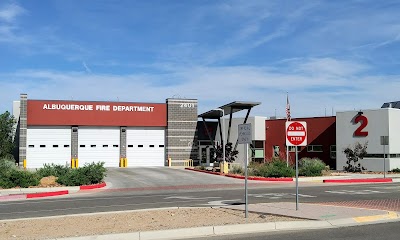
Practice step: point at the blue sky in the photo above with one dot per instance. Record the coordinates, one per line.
(329, 55)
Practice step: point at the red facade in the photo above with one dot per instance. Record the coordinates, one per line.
(70, 113)
(321, 131)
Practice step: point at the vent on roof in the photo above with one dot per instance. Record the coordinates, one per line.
(391, 105)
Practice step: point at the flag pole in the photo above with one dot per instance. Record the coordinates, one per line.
(287, 119)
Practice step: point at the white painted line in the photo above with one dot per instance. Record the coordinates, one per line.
(296, 134)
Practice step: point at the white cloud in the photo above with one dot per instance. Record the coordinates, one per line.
(87, 69)
(309, 94)
(8, 13)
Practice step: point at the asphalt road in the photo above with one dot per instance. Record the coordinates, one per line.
(365, 232)
(184, 196)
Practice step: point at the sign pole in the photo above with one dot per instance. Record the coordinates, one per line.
(297, 180)
(246, 150)
(287, 156)
(245, 138)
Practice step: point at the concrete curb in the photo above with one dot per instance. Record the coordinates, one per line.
(242, 177)
(25, 193)
(230, 229)
(363, 180)
(329, 179)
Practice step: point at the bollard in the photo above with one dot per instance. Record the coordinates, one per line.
(24, 163)
(72, 163)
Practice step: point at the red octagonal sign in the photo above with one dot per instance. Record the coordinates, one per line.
(296, 134)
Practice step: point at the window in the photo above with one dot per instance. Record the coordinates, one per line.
(115, 145)
(82, 146)
(55, 146)
(151, 145)
(105, 145)
(293, 148)
(314, 148)
(31, 146)
(161, 146)
(258, 144)
(130, 145)
(93, 146)
(66, 146)
(42, 146)
(140, 145)
(332, 151)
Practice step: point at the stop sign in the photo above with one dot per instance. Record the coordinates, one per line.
(296, 134)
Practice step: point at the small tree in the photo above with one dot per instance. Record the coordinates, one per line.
(230, 153)
(353, 156)
(7, 122)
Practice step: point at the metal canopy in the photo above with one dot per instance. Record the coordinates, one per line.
(229, 109)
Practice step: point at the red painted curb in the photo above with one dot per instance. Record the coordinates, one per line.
(242, 177)
(46, 194)
(94, 186)
(370, 180)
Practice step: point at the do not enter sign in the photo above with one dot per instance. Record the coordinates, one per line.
(296, 134)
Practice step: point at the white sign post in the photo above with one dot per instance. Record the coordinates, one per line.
(296, 135)
(244, 137)
(384, 142)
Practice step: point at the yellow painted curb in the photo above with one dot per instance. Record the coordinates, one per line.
(389, 215)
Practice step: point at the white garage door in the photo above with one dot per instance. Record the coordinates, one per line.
(145, 146)
(48, 145)
(98, 144)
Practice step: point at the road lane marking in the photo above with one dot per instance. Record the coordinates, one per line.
(190, 197)
(355, 192)
(279, 195)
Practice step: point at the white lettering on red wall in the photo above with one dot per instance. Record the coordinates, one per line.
(95, 107)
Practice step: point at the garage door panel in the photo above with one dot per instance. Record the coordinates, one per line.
(46, 145)
(145, 146)
(99, 144)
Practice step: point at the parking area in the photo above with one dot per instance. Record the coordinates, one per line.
(150, 177)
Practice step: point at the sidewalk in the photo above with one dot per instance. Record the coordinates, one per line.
(316, 216)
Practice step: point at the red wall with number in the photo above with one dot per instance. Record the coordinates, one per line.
(37, 115)
(320, 131)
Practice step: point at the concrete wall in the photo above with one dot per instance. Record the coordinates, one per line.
(378, 125)
(394, 138)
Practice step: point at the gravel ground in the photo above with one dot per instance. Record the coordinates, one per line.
(134, 221)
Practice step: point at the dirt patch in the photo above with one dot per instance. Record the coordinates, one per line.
(148, 220)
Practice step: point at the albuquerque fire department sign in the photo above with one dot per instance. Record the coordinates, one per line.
(296, 134)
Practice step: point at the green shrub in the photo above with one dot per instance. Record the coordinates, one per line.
(6, 165)
(18, 178)
(276, 168)
(92, 173)
(311, 167)
(52, 170)
(396, 170)
(236, 169)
